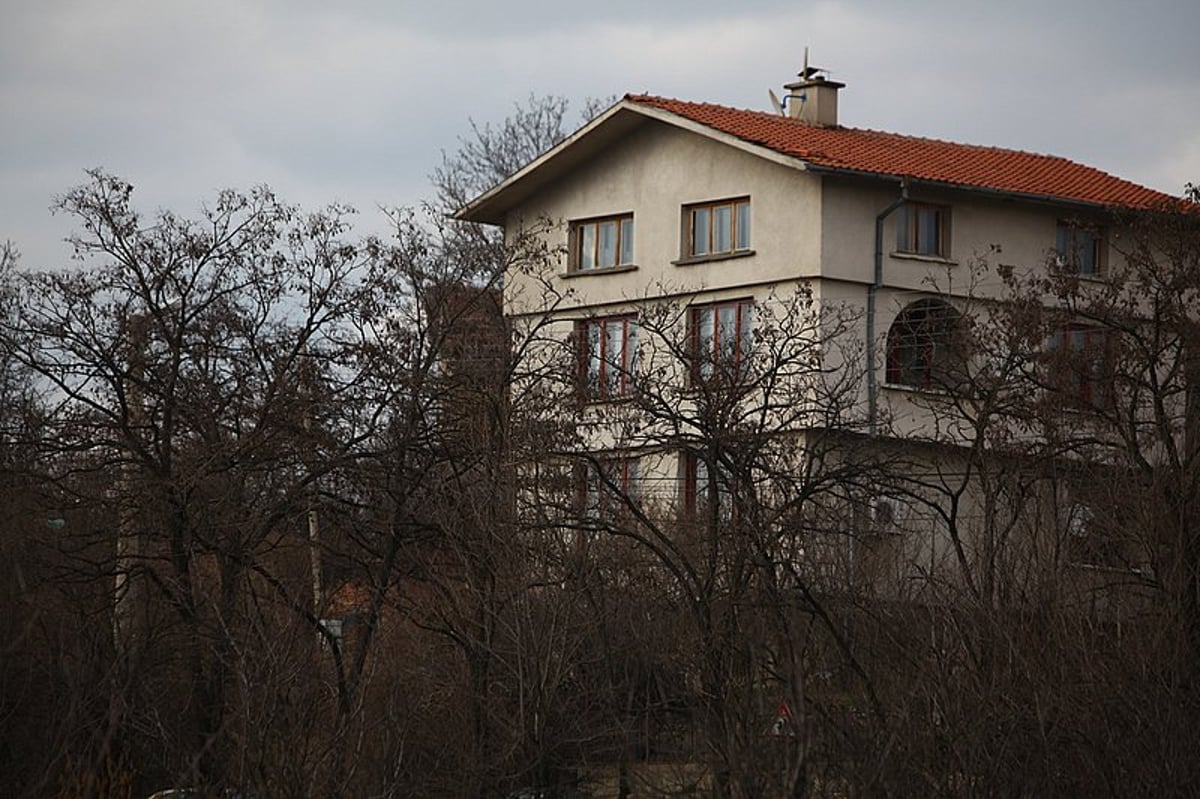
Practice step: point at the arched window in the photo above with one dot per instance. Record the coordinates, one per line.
(924, 345)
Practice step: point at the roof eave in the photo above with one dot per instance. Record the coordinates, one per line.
(1030, 197)
(492, 206)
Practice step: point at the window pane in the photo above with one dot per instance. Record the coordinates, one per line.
(700, 232)
(613, 355)
(607, 255)
(705, 320)
(587, 246)
(626, 241)
(1085, 252)
(1062, 244)
(927, 233)
(723, 228)
(743, 225)
(745, 330)
(904, 229)
(631, 348)
(593, 357)
(701, 481)
(727, 329)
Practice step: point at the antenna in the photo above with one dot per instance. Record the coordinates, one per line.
(775, 102)
(804, 72)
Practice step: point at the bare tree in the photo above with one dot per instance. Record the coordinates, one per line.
(720, 470)
(1044, 650)
(181, 357)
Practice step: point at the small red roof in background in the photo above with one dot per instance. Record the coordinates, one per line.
(876, 152)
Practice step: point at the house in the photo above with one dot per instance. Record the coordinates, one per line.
(722, 208)
(739, 295)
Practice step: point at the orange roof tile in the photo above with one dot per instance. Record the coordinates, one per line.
(876, 152)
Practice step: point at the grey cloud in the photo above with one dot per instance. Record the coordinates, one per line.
(355, 102)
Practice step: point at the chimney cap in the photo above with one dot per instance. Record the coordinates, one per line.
(813, 76)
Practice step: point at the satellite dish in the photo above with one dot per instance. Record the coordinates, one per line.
(775, 102)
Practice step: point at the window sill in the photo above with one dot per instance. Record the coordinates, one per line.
(931, 259)
(704, 259)
(593, 401)
(932, 391)
(608, 270)
(1108, 568)
(697, 386)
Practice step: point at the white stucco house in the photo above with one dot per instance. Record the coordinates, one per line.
(722, 211)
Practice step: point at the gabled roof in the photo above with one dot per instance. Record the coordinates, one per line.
(878, 153)
(839, 149)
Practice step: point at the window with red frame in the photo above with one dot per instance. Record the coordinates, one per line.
(607, 356)
(1081, 365)
(721, 339)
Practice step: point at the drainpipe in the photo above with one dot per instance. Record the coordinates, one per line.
(872, 290)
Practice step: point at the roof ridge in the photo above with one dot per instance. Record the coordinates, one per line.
(932, 159)
(649, 98)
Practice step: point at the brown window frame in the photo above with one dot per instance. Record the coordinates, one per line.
(622, 248)
(910, 236)
(739, 230)
(1067, 249)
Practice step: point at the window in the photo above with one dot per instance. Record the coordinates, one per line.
(700, 488)
(924, 346)
(1081, 365)
(923, 229)
(607, 356)
(884, 515)
(1091, 535)
(606, 488)
(714, 229)
(721, 336)
(1079, 248)
(601, 243)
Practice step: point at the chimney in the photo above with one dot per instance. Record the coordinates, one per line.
(813, 98)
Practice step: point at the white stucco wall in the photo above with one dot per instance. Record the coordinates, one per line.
(654, 173)
(805, 226)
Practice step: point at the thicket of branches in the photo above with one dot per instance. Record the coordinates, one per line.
(291, 513)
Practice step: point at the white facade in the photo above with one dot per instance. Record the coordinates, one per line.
(811, 230)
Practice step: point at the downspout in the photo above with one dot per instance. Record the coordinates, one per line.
(872, 290)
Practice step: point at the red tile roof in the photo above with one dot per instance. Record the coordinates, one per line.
(876, 152)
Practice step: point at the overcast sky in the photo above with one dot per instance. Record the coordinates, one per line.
(354, 101)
